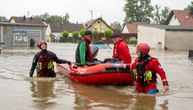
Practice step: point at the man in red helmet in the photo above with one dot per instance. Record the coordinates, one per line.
(145, 68)
(120, 50)
(43, 61)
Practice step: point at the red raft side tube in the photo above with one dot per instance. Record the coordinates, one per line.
(101, 74)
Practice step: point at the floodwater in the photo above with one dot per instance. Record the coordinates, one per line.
(19, 92)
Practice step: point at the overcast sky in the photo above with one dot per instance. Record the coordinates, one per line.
(79, 10)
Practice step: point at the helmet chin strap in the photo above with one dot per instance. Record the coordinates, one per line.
(44, 50)
(143, 56)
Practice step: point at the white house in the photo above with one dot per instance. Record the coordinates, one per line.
(180, 17)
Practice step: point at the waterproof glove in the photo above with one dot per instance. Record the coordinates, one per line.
(68, 62)
(30, 74)
(166, 86)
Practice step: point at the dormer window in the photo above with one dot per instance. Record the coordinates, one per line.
(187, 17)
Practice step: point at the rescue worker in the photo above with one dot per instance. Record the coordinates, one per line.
(43, 62)
(145, 68)
(120, 49)
(83, 50)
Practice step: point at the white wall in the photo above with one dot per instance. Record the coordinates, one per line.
(174, 21)
(179, 40)
(153, 36)
(125, 30)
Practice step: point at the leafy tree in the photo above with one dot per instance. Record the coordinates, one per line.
(54, 18)
(3, 19)
(138, 11)
(188, 8)
(82, 32)
(160, 15)
(107, 33)
(116, 26)
(95, 33)
(75, 35)
(65, 34)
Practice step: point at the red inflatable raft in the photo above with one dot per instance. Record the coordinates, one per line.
(100, 74)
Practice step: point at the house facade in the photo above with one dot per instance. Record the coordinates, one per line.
(20, 34)
(130, 30)
(97, 24)
(178, 38)
(180, 17)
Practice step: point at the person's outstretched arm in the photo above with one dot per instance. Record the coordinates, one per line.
(34, 63)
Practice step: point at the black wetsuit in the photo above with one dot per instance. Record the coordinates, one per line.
(48, 55)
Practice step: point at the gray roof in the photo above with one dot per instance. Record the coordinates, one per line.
(69, 27)
(170, 27)
(21, 24)
(30, 20)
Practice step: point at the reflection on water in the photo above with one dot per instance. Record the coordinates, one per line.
(22, 92)
(93, 97)
(42, 92)
(144, 102)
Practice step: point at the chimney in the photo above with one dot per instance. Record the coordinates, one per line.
(24, 18)
(191, 10)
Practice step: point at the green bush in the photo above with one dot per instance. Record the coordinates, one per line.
(65, 34)
(133, 42)
(108, 33)
(95, 33)
(82, 32)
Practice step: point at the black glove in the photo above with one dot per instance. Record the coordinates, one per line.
(30, 74)
(68, 62)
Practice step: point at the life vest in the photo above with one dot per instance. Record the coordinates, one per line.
(88, 54)
(142, 75)
(116, 51)
(44, 66)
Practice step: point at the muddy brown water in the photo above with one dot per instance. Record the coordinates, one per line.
(19, 92)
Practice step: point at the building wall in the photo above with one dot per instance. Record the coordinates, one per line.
(125, 30)
(1, 34)
(153, 36)
(179, 40)
(48, 32)
(174, 21)
(20, 35)
(100, 26)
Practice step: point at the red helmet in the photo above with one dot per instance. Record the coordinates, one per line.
(143, 47)
(40, 42)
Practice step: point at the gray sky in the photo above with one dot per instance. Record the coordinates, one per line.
(79, 10)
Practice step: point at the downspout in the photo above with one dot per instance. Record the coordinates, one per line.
(1, 34)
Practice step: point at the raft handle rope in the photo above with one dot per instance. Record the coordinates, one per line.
(118, 74)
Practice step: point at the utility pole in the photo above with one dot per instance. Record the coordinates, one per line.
(28, 14)
(91, 14)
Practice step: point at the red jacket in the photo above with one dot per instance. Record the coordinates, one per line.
(121, 51)
(154, 66)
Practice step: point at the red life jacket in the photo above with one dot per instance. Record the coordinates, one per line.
(44, 66)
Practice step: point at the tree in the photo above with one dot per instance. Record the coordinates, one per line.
(188, 8)
(107, 33)
(3, 19)
(54, 18)
(82, 32)
(95, 33)
(65, 34)
(75, 35)
(116, 26)
(160, 15)
(138, 11)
